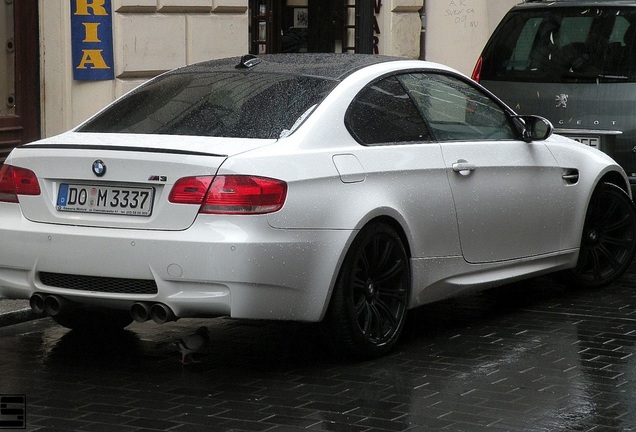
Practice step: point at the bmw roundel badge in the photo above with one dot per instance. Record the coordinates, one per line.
(99, 168)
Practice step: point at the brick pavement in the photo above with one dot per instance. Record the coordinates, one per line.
(531, 356)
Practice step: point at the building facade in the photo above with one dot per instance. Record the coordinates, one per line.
(66, 59)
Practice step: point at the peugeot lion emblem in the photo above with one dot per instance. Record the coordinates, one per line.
(99, 168)
(561, 100)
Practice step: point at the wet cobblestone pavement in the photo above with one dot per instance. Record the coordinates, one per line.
(532, 356)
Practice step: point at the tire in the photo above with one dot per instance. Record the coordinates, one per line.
(608, 240)
(93, 320)
(370, 299)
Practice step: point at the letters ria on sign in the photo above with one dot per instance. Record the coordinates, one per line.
(92, 40)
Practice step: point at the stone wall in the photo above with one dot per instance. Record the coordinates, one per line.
(149, 37)
(457, 30)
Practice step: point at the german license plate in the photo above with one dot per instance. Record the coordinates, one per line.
(592, 141)
(118, 200)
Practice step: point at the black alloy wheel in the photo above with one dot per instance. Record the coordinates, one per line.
(370, 300)
(608, 242)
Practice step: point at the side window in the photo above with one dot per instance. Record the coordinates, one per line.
(620, 54)
(519, 60)
(618, 31)
(568, 45)
(455, 110)
(383, 113)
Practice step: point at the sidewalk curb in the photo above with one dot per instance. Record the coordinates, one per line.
(18, 316)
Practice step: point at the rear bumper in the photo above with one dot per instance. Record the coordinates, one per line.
(214, 268)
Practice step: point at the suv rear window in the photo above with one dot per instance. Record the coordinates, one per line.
(563, 45)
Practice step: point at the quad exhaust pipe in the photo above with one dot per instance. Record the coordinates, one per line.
(140, 312)
(50, 304)
(158, 312)
(53, 304)
(37, 303)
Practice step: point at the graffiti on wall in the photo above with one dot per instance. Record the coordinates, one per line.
(462, 13)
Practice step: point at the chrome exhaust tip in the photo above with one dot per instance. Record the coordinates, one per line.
(36, 302)
(53, 304)
(140, 312)
(161, 313)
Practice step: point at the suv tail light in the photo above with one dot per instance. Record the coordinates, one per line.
(233, 194)
(476, 76)
(16, 181)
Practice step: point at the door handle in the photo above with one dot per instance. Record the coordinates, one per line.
(463, 167)
(570, 175)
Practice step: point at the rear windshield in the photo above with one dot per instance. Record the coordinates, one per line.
(564, 45)
(219, 104)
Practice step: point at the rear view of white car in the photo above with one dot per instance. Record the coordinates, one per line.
(345, 189)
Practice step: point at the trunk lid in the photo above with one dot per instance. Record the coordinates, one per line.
(119, 180)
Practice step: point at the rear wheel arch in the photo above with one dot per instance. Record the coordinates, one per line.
(399, 229)
(368, 304)
(388, 218)
(384, 219)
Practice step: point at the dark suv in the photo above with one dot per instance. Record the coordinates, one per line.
(573, 62)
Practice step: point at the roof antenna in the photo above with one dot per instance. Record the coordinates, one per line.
(248, 61)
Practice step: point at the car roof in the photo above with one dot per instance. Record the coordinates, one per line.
(330, 66)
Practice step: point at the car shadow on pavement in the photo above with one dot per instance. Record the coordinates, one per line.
(283, 346)
(466, 310)
(115, 349)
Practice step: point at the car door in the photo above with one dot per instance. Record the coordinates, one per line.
(507, 192)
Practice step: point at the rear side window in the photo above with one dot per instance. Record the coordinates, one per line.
(563, 45)
(383, 113)
(220, 104)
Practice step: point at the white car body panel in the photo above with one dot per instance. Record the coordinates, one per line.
(284, 265)
(168, 143)
(157, 157)
(195, 270)
(510, 182)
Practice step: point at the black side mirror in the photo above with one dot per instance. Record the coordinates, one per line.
(532, 127)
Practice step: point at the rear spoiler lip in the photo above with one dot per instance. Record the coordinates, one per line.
(120, 148)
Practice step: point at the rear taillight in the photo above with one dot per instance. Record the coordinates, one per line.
(232, 194)
(476, 76)
(16, 181)
(190, 190)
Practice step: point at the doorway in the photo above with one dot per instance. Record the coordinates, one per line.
(319, 26)
(19, 74)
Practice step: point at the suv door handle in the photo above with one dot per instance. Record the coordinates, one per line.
(463, 167)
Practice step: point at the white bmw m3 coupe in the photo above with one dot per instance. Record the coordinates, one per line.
(345, 189)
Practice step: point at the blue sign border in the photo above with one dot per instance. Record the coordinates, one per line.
(92, 40)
